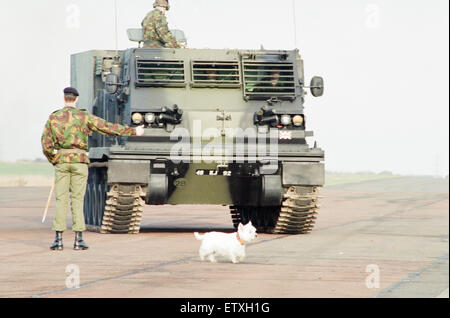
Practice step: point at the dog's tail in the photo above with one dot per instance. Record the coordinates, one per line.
(198, 236)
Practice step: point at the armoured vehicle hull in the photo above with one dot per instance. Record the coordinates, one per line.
(224, 127)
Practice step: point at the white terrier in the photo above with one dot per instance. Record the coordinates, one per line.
(231, 246)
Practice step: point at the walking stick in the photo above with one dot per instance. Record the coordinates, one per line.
(48, 201)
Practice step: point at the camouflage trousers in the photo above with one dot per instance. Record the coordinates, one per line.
(71, 176)
(153, 45)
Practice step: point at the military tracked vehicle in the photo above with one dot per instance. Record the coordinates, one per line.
(222, 127)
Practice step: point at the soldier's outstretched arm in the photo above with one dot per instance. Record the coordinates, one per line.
(48, 143)
(162, 28)
(106, 128)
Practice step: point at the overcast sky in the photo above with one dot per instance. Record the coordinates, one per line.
(385, 64)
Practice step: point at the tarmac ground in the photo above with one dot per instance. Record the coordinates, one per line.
(382, 238)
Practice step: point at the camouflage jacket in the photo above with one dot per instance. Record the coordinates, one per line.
(156, 31)
(69, 128)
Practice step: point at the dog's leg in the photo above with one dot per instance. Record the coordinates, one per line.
(212, 258)
(203, 252)
(235, 259)
(238, 257)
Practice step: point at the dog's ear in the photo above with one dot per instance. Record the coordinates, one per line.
(240, 227)
(250, 222)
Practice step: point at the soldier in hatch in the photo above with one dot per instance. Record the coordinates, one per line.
(155, 29)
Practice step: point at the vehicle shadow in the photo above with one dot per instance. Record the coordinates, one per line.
(183, 229)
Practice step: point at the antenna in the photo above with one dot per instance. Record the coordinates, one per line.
(295, 24)
(115, 27)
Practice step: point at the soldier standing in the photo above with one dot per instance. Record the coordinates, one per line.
(155, 28)
(66, 132)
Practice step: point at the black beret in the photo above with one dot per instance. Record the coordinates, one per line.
(71, 90)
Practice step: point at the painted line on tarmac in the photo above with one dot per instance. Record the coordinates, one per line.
(414, 278)
(102, 280)
(134, 272)
(180, 261)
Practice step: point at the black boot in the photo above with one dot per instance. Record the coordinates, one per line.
(57, 244)
(79, 243)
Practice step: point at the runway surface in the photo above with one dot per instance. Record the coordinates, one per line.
(386, 238)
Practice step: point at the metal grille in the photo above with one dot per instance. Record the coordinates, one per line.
(264, 80)
(215, 74)
(163, 73)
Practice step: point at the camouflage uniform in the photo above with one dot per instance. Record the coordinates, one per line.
(156, 31)
(67, 130)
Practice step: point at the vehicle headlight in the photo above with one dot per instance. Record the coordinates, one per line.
(150, 118)
(286, 120)
(298, 120)
(137, 118)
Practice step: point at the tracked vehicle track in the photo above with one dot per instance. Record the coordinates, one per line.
(298, 212)
(296, 215)
(123, 209)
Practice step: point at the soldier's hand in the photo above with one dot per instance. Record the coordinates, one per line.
(140, 130)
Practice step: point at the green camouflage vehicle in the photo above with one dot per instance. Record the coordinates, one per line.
(223, 127)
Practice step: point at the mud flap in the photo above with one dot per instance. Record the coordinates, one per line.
(158, 189)
(272, 190)
(303, 173)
